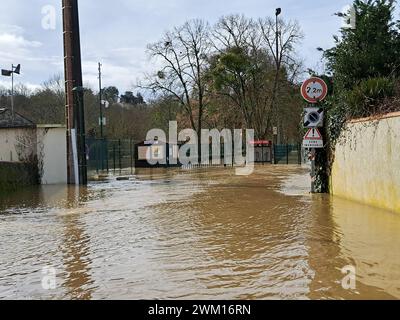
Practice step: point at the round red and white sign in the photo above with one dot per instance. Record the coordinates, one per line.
(314, 90)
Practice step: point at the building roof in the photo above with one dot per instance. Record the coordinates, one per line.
(19, 121)
(51, 126)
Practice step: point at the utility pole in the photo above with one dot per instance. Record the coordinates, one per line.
(313, 173)
(101, 120)
(12, 93)
(76, 145)
(100, 103)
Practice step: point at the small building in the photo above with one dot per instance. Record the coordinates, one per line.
(262, 151)
(157, 152)
(22, 141)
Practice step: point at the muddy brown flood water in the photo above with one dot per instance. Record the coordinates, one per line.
(203, 234)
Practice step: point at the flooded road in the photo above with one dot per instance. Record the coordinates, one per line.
(196, 235)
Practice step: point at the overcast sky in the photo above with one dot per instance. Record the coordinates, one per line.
(117, 32)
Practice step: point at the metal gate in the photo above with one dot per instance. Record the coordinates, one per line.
(287, 154)
(106, 155)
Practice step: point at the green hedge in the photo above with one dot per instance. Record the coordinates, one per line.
(14, 176)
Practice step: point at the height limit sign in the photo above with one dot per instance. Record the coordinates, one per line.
(314, 90)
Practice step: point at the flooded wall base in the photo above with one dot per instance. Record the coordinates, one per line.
(367, 162)
(14, 176)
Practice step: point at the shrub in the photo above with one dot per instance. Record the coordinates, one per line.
(364, 99)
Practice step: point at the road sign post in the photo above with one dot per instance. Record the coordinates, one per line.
(313, 90)
(275, 133)
(313, 173)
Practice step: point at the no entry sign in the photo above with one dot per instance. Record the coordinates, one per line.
(314, 90)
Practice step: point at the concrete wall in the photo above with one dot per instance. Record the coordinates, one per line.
(48, 142)
(367, 162)
(52, 148)
(13, 141)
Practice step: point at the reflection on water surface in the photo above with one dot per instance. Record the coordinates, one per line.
(196, 234)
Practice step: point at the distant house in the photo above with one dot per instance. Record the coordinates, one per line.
(22, 141)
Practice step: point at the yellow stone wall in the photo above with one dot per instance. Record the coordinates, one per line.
(367, 162)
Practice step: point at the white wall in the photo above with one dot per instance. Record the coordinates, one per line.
(13, 137)
(47, 141)
(367, 162)
(52, 148)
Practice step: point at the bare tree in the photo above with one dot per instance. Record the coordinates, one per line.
(183, 54)
(280, 38)
(55, 84)
(248, 65)
(231, 36)
(232, 31)
(229, 74)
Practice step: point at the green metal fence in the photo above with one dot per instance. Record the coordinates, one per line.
(115, 156)
(287, 154)
(110, 155)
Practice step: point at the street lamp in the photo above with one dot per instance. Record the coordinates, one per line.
(101, 122)
(8, 73)
(277, 13)
(275, 129)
